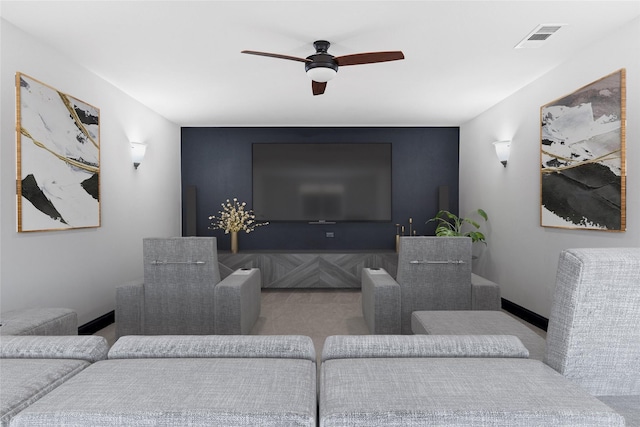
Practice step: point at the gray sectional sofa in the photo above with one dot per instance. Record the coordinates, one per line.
(593, 337)
(39, 350)
(32, 366)
(188, 380)
(426, 380)
(151, 380)
(373, 380)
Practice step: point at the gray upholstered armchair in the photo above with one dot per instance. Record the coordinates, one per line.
(182, 293)
(434, 273)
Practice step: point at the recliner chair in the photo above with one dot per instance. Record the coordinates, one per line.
(434, 273)
(182, 293)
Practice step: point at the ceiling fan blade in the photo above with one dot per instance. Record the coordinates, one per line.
(318, 87)
(276, 55)
(369, 58)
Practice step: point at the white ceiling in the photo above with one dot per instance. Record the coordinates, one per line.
(182, 58)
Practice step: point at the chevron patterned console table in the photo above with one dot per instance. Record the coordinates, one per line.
(309, 269)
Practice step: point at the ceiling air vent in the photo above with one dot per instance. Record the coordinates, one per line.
(538, 36)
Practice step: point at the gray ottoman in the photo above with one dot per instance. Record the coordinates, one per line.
(189, 380)
(477, 323)
(39, 321)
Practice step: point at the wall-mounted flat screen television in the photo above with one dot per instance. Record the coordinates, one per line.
(323, 182)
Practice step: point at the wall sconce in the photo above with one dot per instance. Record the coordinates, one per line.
(503, 149)
(137, 153)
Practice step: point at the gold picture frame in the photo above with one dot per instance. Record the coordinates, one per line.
(583, 157)
(58, 159)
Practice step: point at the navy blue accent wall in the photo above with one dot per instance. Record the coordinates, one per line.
(217, 161)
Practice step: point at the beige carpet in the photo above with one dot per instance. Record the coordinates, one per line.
(317, 313)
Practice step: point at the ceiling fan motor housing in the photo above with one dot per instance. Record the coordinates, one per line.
(321, 46)
(321, 59)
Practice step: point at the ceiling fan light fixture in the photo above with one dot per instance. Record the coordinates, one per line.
(321, 74)
(322, 66)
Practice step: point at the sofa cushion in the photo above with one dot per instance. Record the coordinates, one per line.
(189, 391)
(85, 347)
(240, 346)
(39, 321)
(454, 392)
(402, 346)
(24, 381)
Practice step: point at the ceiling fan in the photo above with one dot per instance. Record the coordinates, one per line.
(322, 66)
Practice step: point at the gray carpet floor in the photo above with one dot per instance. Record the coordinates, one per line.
(317, 313)
(314, 313)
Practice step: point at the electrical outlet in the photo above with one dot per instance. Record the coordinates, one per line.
(329, 234)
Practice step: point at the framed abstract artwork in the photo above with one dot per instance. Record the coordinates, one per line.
(58, 159)
(582, 156)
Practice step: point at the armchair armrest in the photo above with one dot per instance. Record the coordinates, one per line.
(485, 294)
(237, 302)
(380, 301)
(130, 309)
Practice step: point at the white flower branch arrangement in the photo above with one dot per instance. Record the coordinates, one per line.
(235, 217)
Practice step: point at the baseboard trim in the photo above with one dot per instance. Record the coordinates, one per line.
(95, 325)
(525, 314)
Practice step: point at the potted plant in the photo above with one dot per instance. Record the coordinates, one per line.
(449, 224)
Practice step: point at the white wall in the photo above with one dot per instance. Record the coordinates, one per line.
(521, 255)
(80, 269)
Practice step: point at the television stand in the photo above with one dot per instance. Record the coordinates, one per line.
(309, 269)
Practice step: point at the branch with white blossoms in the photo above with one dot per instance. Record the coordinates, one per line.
(234, 216)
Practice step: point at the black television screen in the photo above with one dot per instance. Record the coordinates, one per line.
(322, 182)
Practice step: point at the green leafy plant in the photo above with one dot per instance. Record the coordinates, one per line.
(449, 224)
